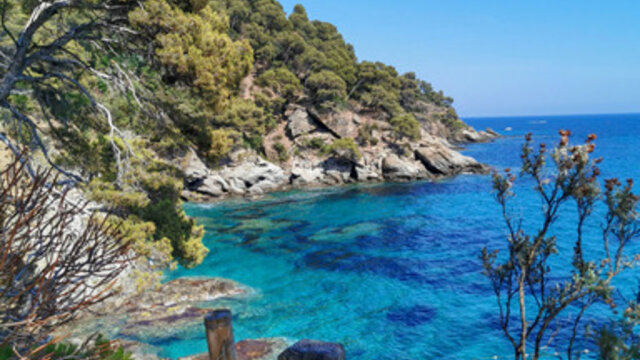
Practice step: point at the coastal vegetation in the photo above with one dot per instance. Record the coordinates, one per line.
(112, 93)
(115, 96)
(531, 294)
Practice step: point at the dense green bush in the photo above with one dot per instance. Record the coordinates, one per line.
(406, 125)
(344, 148)
(451, 120)
(315, 143)
(365, 135)
(183, 79)
(326, 86)
(195, 46)
(281, 150)
(245, 117)
(282, 81)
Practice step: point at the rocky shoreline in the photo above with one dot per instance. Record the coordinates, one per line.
(247, 174)
(139, 321)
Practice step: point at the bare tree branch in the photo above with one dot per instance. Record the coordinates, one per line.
(51, 267)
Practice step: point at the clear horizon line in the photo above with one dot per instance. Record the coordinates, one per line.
(549, 115)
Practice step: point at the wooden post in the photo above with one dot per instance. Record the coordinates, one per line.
(220, 335)
(313, 350)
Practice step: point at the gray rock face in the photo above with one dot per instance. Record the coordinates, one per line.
(213, 185)
(303, 176)
(342, 124)
(491, 132)
(247, 174)
(193, 168)
(254, 175)
(333, 171)
(366, 173)
(472, 136)
(251, 175)
(440, 160)
(236, 186)
(300, 123)
(396, 169)
(338, 170)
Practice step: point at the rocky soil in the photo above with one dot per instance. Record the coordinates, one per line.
(384, 157)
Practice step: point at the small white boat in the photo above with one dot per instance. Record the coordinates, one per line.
(508, 128)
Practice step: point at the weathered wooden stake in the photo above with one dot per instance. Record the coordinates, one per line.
(220, 335)
(313, 350)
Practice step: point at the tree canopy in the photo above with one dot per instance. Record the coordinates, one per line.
(109, 91)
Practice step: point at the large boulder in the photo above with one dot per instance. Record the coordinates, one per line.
(365, 173)
(397, 169)
(492, 132)
(300, 123)
(338, 170)
(193, 168)
(440, 160)
(254, 175)
(305, 172)
(341, 124)
(301, 177)
(237, 186)
(471, 136)
(213, 185)
(368, 169)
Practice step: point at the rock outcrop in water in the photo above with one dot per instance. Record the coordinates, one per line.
(312, 161)
(160, 313)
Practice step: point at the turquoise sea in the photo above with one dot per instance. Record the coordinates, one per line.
(392, 271)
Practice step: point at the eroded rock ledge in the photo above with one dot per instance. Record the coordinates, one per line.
(385, 159)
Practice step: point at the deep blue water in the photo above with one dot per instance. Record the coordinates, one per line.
(391, 271)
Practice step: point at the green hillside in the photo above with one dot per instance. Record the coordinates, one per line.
(116, 92)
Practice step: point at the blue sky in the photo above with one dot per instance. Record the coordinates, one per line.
(502, 57)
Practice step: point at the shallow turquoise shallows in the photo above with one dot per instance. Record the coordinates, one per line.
(391, 271)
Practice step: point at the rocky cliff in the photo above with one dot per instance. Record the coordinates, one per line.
(311, 149)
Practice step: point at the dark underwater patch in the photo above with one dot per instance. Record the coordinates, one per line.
(336, 259)
(412, 316)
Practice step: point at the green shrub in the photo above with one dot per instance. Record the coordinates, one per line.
(151, 216)
(406, 125)
(245, 117)
(316, 143)
(379, 97)
(220, 144)
(451, 120)
(173, 224)
(326, 86)
(194, 46)
(365, 135)
(281, 150)
(344, 148)
(282, 81)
